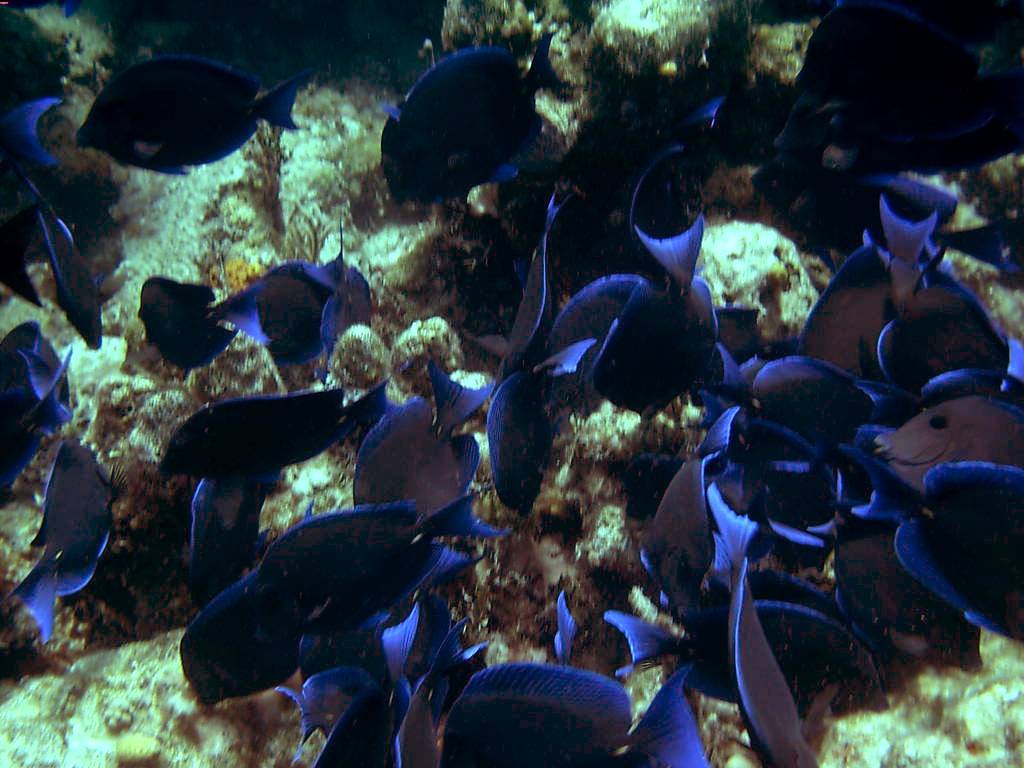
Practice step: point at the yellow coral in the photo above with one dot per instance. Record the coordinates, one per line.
(239, 273)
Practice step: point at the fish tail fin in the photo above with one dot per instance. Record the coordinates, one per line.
(453, 402)
(50, 412)
(18, 132)
(457, 519)
(397, 642)
(668, 731)
(275, 106)
(307, 722)
(646, 641)
(38, 592)
(734, 534)
(542, 74)
(905, 239)
(15, 238)
(677, 254)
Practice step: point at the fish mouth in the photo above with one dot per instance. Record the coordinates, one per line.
(885, 450)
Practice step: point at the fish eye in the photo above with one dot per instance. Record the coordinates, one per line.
(938, 421)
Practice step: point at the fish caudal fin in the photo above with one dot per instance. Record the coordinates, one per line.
(18, 132)
(668, 731)
(38, 592)
(542, 74)
(275, 106)
(646, 641)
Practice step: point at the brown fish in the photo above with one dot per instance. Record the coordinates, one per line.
(970, 428)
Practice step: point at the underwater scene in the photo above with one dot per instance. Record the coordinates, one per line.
(511, 383)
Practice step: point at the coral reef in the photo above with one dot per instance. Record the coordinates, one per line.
(109, 689)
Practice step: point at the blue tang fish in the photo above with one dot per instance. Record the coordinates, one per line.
(224, 533)
(523, 715)
(462, 122)
(33, 399)
(76, 527)
(177, 322)
(258, 436)
(411, 454)
(175, 111)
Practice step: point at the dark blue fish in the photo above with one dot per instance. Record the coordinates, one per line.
(923, 105)
(405, 457)
(966, 548)
(663, 340)
(70, 6)
(814, 649)
(416, 745)
(462, 123)
(765, 698)
(258, 436)
(888, 608)
(230, 650)
(589, 314)
(363, 734)
(224, 533)
(364, 647)
(177, 322)
(819, 400)
(515, 715)
(175, 111)
(33, 403)
(335, 571)
(526, 341)
(298, 309)
(520, 431)
(76, 527)
(677, 549)
(778, 478)
(325, 695)
(77, 292)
